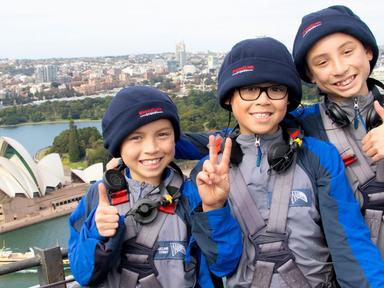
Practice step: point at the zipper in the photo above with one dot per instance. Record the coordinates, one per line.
(358, 115)
(259, 153)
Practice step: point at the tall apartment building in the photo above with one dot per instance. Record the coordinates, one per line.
(180, 54)
(46, 73)
(213, 62)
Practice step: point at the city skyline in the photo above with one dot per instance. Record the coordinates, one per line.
(39, 29)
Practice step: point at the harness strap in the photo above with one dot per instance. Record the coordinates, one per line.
(150, 282)
(373, 218)
(292, 275)
(128, 278)
(244, 203)
(347, 148)
(263, 274)
(271, 241)
(149, 232)
(280, 200)
(145, 243)
(363, 172)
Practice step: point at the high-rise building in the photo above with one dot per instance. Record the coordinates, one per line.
(180, 54)
(213, 62)
(46, 73)
(172, 66)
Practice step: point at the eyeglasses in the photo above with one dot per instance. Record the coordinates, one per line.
(274, 92)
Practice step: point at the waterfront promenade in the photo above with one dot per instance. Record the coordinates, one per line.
(55, 204)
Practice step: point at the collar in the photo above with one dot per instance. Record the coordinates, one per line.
(265, 140)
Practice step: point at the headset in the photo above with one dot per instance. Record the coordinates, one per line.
(340, 117)
(145, 210)
(280, 155)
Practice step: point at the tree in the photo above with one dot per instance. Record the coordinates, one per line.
(74, 150)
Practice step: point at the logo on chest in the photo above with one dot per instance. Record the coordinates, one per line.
(299, 198)
(170, 250)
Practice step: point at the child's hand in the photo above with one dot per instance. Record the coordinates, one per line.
(213, 180)
(113, 163)
(106, 217)
(373, 142)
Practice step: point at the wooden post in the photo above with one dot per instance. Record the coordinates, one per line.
(51, 269)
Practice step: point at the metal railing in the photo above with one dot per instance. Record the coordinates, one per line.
(50, 267)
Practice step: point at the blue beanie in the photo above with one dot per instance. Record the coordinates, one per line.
(133, 107)
(331, 20)
(255, 61)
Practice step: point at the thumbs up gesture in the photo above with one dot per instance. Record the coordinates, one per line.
(373, 142)
(106, 217)
(213, 180)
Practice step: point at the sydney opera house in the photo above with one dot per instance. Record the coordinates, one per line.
(31, 188)
(21, 175)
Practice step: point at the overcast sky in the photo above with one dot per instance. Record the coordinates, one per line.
(74, 28)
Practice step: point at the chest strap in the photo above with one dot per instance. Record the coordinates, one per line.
(270, 241)
(137, 261)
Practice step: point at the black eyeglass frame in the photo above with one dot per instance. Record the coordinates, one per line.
(263, 89)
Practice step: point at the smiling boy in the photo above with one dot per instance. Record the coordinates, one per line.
(290, 194)
(142, 234)
(335, 50)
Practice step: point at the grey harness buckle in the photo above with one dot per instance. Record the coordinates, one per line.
(373, 195)
(278, 257)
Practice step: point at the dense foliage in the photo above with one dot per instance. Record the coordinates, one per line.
(89, 108)
(80, 144)
(199, 111)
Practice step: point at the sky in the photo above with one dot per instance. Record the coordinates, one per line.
(31, 29)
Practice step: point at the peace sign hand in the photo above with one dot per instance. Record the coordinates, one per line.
(213, 180)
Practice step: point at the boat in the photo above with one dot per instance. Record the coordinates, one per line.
(8, 256)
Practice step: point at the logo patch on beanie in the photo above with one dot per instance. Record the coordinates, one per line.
(151, 111)
(242, 69)
(310, 28)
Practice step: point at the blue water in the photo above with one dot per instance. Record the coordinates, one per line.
(46, 234)
(42, 235)
(37, 136)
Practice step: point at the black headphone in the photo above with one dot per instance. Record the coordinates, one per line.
(280, 155)
(145, 210)
(340, 117)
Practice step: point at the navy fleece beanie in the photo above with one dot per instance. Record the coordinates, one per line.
(133, 107)
(331, 20)
(255, 61)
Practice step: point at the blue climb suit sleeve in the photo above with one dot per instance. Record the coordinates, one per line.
(194, 146)
(217, 234)
(91, 255)
(356, 260)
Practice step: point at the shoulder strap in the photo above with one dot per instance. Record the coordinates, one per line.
(148, 234)
(347, 148)
(271, 241)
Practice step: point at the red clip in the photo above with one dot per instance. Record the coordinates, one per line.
(294, 134)
(218, 141)
(119, 197)
(348, 160)
(169, 209)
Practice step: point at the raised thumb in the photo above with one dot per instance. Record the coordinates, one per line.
(379, 109)
(103, 197)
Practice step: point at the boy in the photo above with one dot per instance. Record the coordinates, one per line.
(336, 50)
(289, 194)
(152, 245)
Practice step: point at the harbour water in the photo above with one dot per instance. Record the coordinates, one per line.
(37, 136)
(46, 234)
(43, 235)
